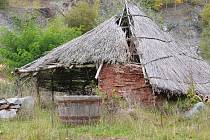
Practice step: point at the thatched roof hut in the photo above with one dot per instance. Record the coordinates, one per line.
(133, 38)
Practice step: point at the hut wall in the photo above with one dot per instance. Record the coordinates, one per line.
(75, 81)
(127, 81)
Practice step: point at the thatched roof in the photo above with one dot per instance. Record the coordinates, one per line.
(167, 65)
(105, 43)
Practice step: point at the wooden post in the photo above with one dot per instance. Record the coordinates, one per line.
(98, 71)
(17, 83)
(52, 94)
(37, 89)
(52, 86)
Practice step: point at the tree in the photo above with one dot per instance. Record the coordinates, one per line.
(205, 40)
(4, 4)
(29, 41)
(83, 15)
(205, 14)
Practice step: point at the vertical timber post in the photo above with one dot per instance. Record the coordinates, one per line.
(52, 94)
(52, 85)
(17, 83)
(37, 89)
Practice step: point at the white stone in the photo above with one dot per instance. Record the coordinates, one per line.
(7, 114)
(27, 103)
(195, 109)
(3, 101)
(15, 101)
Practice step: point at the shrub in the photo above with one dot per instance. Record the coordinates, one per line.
(185, 103)
(205, 14)
(205, 42)
(83, 15)
(29, 41)
(3, 4)
(146, 3)
(158, 4)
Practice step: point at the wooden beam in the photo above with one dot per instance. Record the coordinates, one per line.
(41, 68)
(52, 86)
(129, 15)
(37, 90)
(85, 66)
(17, 83)
(98, 71)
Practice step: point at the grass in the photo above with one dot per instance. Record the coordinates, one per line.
(142, 124)
(147, 125)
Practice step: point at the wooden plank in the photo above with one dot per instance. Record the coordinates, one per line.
(98, 71)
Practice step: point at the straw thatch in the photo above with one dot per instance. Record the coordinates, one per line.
(167, 65)
(105, 43)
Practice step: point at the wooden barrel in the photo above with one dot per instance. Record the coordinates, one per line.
(78, 109)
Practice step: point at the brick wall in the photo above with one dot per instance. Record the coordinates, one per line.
(128, 81)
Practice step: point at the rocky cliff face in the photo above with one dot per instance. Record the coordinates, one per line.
(4, 20)
(183, 22)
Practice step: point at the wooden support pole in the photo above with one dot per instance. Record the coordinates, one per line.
(52, 85)
(98, 71)
(37, 89)
(17, 84)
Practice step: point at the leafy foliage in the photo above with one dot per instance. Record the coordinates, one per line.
(83, 15)
(158, 4)
(29, 41)
(205, 41)
(205, 14)
(191, 98)
(3, 4)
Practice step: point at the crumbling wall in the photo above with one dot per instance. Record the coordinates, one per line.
(127, 81)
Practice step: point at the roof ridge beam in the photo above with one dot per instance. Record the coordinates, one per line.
(130, 15)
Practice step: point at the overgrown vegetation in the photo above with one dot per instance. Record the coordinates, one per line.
(122, 123)
(205, 14)
(146, 125)
(158, 4)
(185, 103)
(138, 123)
(83, 15)
(4, 4)
(27, 41)
(205, 41)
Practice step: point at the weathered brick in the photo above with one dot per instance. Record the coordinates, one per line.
(127, 81)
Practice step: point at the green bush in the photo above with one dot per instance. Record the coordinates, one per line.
(149, 4)
(4, 4)
(29, 41)
(205, 42)
(158, 4)
(190, 100)
(83, 15)
(205, 14)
